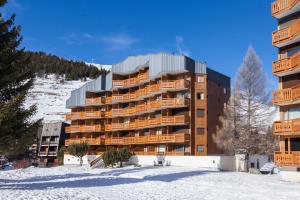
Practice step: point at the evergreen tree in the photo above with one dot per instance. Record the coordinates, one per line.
(78, 150)
(124, 155)
(110, 157)
(16, 130)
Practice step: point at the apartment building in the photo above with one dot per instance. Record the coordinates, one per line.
(156, 104)
(287, 68)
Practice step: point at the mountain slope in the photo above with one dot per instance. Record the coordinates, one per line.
(50, 95)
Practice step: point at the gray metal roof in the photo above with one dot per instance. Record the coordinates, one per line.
(52, 129)
(159, 64)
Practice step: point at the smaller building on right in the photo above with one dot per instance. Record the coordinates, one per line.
(287, 68)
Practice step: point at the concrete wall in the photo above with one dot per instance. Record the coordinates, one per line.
(216, 162)
(257, 160)
(71, 160)
(226, 163)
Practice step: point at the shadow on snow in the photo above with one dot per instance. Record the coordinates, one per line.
(109, 178)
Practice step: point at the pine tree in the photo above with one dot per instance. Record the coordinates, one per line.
(78, 150)
(16, 130)
(124, 155)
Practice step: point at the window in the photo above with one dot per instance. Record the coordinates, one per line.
(295, 144)
(200, 79)
(200, 96)
(200, 148)
(200, 131)
(200, 112)
(225, 91)
(158, 131)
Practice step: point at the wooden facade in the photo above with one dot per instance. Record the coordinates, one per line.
(166, 115)
(287, 39)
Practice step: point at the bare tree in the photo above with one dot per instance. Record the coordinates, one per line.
(226, 134)
(248, 112)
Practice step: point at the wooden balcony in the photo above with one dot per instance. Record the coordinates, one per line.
(98, 101)
(108, 113)
(287, 65)
(140, 78)
(124, 126)
(287, 158)
(83, 128)
(108, 127)
(174, 120)
(90, 141)
(94, 101)
(151, 89)
(88, 115)
(151, 105)
(152, 122)
(149, 139)
(286, 96)
(287, 35)
(290, 127)
(174, 84)
(68, 116)
(282, 8)
(94, 114)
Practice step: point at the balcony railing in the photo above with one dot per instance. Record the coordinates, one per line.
(149, 139)
(287, 158)
(98, 100)
(68, 116)
(286, 34)
(144, 123)
(88, 115)
(83, 128)
(281, 6)
(52, 153)
(94, 114)
(287, 65)
(286, 96)
(150, 105)
(90, 141)
(43, 153)
(74, 116)
(154, 88)
(290, 127)
(140, 78)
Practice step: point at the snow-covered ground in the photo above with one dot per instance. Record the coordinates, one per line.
(50, 95)
(74, 182)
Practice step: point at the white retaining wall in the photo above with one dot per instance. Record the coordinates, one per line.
(71, 160)
(226, 163)
(215, 162)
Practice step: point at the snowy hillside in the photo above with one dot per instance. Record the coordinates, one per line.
(50, 96)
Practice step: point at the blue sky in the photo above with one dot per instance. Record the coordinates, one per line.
(218, 32)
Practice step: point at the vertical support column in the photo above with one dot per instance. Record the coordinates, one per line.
(289, 145)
